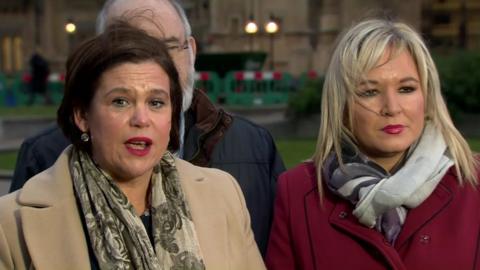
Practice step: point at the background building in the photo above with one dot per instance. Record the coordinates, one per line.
(452, 24)
(307, 28)
(306, 33)
(29, 25)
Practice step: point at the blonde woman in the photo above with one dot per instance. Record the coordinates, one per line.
(392, 182)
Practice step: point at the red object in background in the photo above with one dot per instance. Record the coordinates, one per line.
(26, 77)
(277, 75)
(258, 75)
(312, 74)
(239, 76)
(204, 76)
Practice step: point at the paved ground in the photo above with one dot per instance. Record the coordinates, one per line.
(10, 145)
(4, 186)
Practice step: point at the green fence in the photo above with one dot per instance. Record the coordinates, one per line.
(56, 85)
(249, 88)
(3, 89)
(243, 88)
(211, 83)
(308, 77)
(19, 90)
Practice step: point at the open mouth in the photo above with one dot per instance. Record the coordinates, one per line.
(139, 146)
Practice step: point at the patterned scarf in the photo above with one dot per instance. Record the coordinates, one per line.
(381, 200)
(117, 234)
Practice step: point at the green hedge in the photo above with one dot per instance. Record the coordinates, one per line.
(460, 78)
(307, 99)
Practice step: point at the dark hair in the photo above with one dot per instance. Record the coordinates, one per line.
(120, 43)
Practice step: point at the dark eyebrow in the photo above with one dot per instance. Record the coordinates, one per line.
(404, 80)
(159, 91)
(368, 82)
(122, 90)
(117, 90)
(409, 79)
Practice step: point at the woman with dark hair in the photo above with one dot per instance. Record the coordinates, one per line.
(392, 183)
(117, 198)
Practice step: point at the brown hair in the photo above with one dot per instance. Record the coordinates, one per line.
(120, 43)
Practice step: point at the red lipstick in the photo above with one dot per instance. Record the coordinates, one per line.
(138, 146)
(393, 129)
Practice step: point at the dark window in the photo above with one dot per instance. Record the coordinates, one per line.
(442, 18)
(234, 25)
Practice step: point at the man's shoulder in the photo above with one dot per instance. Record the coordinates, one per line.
(244, 122)
(209, 113)
(51, 136)
(248, 130)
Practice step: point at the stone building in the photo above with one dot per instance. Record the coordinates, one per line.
(307, 28)
(29, 25)
(452, 24)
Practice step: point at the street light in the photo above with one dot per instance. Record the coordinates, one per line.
(271, 28)
(70, 28)
(251, 28)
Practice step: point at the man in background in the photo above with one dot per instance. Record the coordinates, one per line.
(38, 85)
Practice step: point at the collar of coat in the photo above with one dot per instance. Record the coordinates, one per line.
(207, 124)
(339, 214)
(50, 220)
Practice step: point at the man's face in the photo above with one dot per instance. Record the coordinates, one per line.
(159, 19)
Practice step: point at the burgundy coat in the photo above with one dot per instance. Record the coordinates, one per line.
(441, 233)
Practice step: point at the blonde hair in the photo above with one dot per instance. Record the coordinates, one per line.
(358, 51)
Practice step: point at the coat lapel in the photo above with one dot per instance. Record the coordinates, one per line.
(419, 216)
(210, 225)
(341, 217)
(50, 220)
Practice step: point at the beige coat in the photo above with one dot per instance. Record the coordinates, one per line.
(40, 226)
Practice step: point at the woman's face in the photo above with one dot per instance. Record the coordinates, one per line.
(129, 120)
(388, 112)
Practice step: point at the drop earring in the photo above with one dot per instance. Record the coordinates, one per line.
(85, 137)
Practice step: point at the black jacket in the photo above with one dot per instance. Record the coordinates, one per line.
(213, 138)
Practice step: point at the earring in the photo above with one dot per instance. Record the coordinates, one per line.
(85, 137)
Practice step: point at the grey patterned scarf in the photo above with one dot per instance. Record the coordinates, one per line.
(117, 234)
(381, 200)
